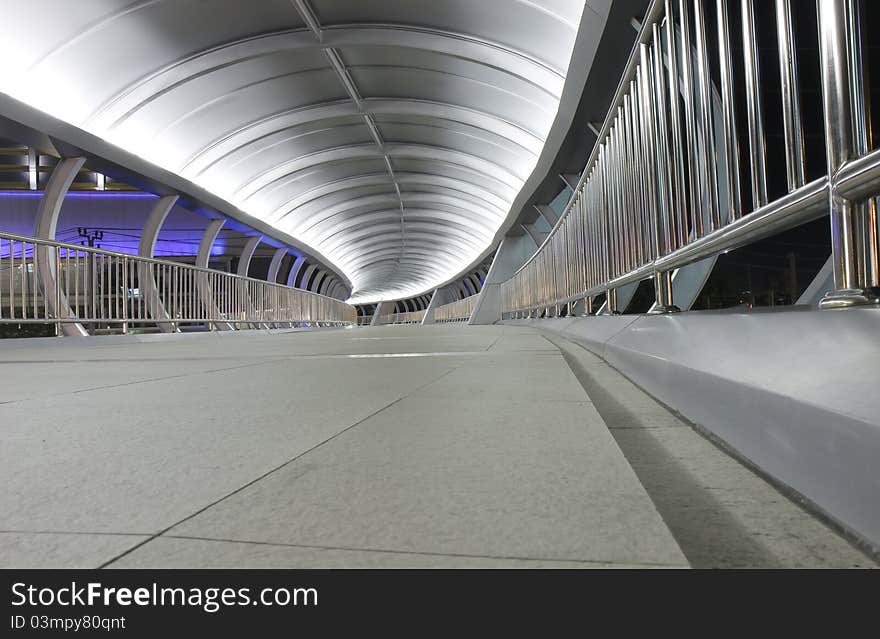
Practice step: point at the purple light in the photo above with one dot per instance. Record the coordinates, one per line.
(81, 194)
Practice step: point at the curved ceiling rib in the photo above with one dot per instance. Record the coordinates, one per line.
(391, 137)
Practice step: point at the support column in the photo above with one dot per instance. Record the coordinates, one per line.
(272, 274)
(316, 284)
(244, 265)
(321, 282)
(275, 265)
(570, 179)
(533, 233)
(437, 299)
(548, 214)
(511, 254)
(382, 308)
(307, 276)
(294, 271)
(247, 252)
(209, 304)
(146, 248)
(854, 240)
(45, 226)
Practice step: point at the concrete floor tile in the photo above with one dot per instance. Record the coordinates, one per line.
(140, 457)
(538, 480)
(171, 552)
(32, 380)
(60, 550)
(544, 380)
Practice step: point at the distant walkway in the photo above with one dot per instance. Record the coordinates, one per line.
(393, 446)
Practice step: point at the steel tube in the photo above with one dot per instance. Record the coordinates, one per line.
(677, 151)
(706, 126)
(757, 148)
(691, 136)
(845, 137)
(791, 103)
(731, 141)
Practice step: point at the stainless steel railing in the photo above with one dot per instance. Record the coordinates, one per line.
(458, 311)
(662, 186)
(410, 317)
(52, 282)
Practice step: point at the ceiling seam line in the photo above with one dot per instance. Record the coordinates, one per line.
(336, 62)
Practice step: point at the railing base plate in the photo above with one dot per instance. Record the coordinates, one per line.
(849, 297)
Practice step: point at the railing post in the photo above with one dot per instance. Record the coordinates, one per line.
(853, 243)
(611, 298)
(57, 290)
(124, 295)
(663, 294)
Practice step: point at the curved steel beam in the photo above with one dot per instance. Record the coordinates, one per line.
(117, 110)
(206, 295)
(307, 276)
(437, 165)
(294, 271)
(316, 283)
(457, 221)
(146, 248)
(247, 252)
(230, 143)
(45, 227)
(332, 192)
(275, 265)
(394, 229)
(389, 236)
(425, 250)
(438, 229)
(252, 148)
(307, 222)
(273, 179)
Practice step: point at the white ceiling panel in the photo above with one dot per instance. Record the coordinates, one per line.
(392, 137)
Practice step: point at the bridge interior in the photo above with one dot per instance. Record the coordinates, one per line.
(443, 283)
(393, 446)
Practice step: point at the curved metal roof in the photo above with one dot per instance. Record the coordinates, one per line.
(392, 137)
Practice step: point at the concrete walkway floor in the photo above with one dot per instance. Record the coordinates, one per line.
(389, 447)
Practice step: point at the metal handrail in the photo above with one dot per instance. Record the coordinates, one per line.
(661, 188)
(458, 311)
(409, 317)
(45, 281)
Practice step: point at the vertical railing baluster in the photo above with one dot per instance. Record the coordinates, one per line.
(649, 141)
(664, 174)
(707, 127)
(754, 107)
(731, 141)
(677, 152)
(695, 202)
(791, 103)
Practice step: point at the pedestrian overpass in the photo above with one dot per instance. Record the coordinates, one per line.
(522, 284)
